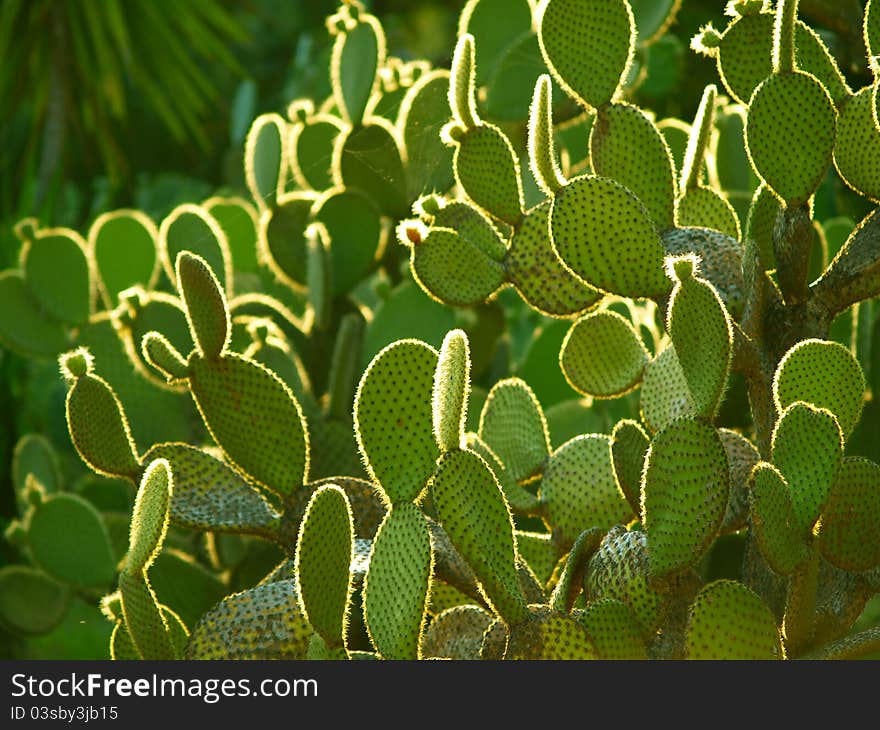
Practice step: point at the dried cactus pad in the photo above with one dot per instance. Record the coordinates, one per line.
(790, 134)
(254, 418)
(488, 170)
(857, 148)
(456, 633)
(614, 630)
(513, 426)
(393, 418)
(807, 450)
(537, 273)
(579, 488)
(825, 374)
(68, 539)
(626, 146)
(454, 270)
(266, 622)
(605, 235)
(742, 456)
(472, 510)
(773, 520)
(149, 518)
(398, 582)
(549, 635)
(323, 557)
(729, 621)
(686, 485)
(629, 446)
(602, 355)
(607, 28)
(850, 534)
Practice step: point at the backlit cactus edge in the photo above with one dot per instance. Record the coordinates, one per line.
(213, 364)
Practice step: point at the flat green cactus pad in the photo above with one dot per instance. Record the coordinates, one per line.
(729, 621)
(551, 635)
(605, 235)
(34, 455)
(513, 426)
(520, 499)
(254, 418)
(742, 456)
(619, 570)
(495, 25)
(185, 586)
(122, 646)
(665, 393)
(393, 418)
(488, 170)
(472, 225)
(775, 526)
(744, 59)
(539, 551)
(266, 622)
(857, 147)
(849, 537)
(238, 220)
(66, 298)
(763, 211)
(451, 391)
(123, 245)
(629, 445)
(538, 274)
(282, 240)
(824, 374)
(453, 270)
(156, 312)
(369, 159)
(790, 134)
(358, 52)
(147, 625)
(424, 111)
(579, 488)
(807, 450)
(626, 146)
(686, 485)
(30, 601)
(324, 553)
(702, 334)
(311, 151)
(149, 518)
(602, 355)
(24, 326)
(192, 229)
(607, 28)
(706, 208)
(206, 309)
(208, 495)
(397, 583)
(472, 510)
(456, 633)
(613, 629)
(264, 160)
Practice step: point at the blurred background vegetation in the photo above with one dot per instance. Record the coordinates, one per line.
(109, 104)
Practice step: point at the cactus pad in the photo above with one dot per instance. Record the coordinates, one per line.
(192, 229)
(763, 212)
(369, 159)
(149, 518)
(607, 28)
(613, 629)
(66, 298)
(264, 160)
(549, 635)
(849, 537)
(605, 235)
(424, 111)
(685, 491)
(282, 242)
(742, 456)
(393, 418)
(857, 147)
(665, 394)
(824, 374)
(473, 226)
(123, 246)
(34, 455)
(456, 633)
(706, 208)
(775, 526)
(602, 355)
(358, 52)
(147, 625)
(206, 309)
(629, 445)
(30, 601)
(311, 150)
(729, 621)
(451, 391)
(24, 326)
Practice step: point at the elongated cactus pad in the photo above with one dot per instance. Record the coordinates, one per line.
(686, 485)
(702, 334)
(513, 426)
(775, 526)
(393, 418)
(66, 298)
(282, 242)
(398, 582)
(849, 537)
(451, 390)
(266, 622)
(473, 512)
(605, 235)
(265, 166)
(607, 28)
(602, 355)
(790, 134)
(807, 450)
(206, 309)
(358, 52)
(857, 147)
(149, 519)
(254, 418)
(324, 553)
(763, 212)
(613, 629)
(729, 621)
(824, 374)
(542, 152)
(626, 146)
(579, 488)
(456, 633)
(629, 445)
(123, 245)
(539, 276)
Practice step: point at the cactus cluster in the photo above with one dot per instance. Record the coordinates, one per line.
(315, 428)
